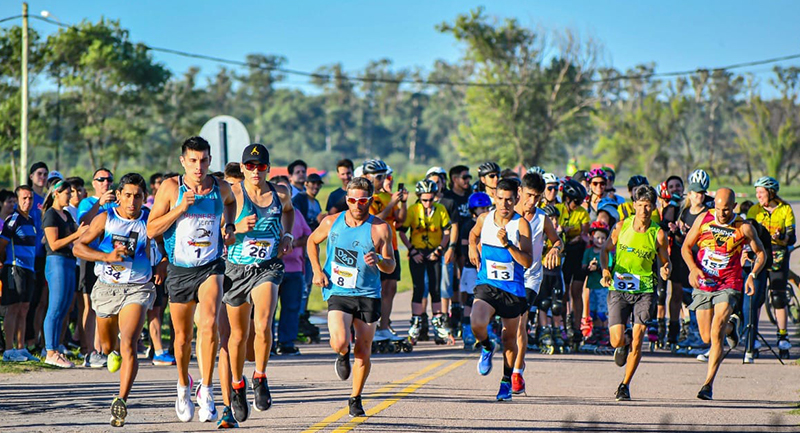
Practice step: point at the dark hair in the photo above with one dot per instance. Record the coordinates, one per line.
(101, 169)
(644, 192)
(76, 182)
(22, 188)
(52, 181)
(361, 183)
(280, 178)
(60, 186)
(171, 174)
(219, 175)
(673, 177)
(509, 174)
(133, 179)
(533, 181)
(36, 165)
(508, 185)
(454, 171)
(343, 163)
(154, 177)
(234, 170)
(295, 164)
(5, 195)
(195, 143)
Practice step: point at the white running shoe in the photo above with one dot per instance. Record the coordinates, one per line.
(183, 404)
(703, 357)
(205, 401)
(748, 358)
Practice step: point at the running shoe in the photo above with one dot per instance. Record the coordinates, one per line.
(705, 393)
(95, 360)
(288, 350)
(356, 408)
(239, 406)
(733, 338)
(227, 420)
(163, 359)
(485, 361)
(58, 360)
(621, 355)
(183, 404)
(623, 393)
(505, 391)
(342, 366)
(517, 383)
(114, 362)
(205, 401)
(262, 399)
(119, 410)
(12, 355)
(27, 355)
(703, 357)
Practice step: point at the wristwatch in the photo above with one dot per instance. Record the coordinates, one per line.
(231, 225)
(291, 236)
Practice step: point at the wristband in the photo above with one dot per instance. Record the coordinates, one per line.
(380, 258)
(289, 235)
(231, 225)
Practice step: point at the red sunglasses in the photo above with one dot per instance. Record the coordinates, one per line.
(252, 166)
(360, 200)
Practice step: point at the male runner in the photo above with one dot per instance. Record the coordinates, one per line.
(716, 275)
(631, 282)
(505, 253)
(187, 211)
(351, 282)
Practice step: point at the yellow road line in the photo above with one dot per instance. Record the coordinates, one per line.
(395, 398)
(378, 393)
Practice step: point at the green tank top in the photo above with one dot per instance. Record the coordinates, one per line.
(635, 257)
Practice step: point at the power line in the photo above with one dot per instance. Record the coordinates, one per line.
(433, 82)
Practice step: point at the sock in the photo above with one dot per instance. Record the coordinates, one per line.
(518, 370)
(507, 372)
(487, 344)
(259, 374)
(782, 332)
(239, 385)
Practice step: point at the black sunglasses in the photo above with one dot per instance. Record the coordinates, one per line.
(105, 179)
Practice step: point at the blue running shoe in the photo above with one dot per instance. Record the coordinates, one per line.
(164, 359)
(505, 391)
(227, 420)
(485, 362)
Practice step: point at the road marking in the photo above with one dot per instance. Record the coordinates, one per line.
(398, 396)
(378, 393)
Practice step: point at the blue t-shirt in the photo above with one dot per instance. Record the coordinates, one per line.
(21, 234)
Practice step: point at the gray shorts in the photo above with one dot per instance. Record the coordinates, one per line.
(622, 304)
(109, 299)
(240, 280)
(702, 300)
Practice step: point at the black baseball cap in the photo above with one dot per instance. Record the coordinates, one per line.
(314, 178)
(255, 153)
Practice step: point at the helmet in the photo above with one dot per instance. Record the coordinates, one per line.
(768, 183)
(609, 206)
(479, 199)
(637, 180)
(574, 190)
(610, 173)
(551, 210)
(598, 226)
(596, 172)
(661, 189)
(426, 186)
(581, 175)
(435, 170)
(359, 171)
(701, 177)
(374, 166)
(488, 167)
(536, 169)
(389, 170)
(550, 178)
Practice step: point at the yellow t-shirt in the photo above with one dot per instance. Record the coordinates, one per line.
(426, 231)
(572, 221)
(379, 203)
(779, 221)
(626, 209)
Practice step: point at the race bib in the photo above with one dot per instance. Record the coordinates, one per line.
(712, 262)
(626, 282)
(344, 276)
(258, 248)
(500, 271)
(118, 272)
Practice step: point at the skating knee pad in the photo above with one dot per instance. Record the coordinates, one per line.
(779, 299)
(662, 295)
(544, 304)
(557, 307)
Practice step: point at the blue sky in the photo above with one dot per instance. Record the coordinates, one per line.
(677, 35)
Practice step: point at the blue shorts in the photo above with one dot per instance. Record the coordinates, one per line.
(598, 304)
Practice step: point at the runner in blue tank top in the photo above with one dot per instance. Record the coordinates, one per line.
(187, 212)
(500, 246)
(124, 291)
(253, 274)
(359, 248)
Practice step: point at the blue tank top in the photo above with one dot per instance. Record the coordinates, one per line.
(195, 239)
(498, 267)
(261, 243)
(345, 267)
(135, 267)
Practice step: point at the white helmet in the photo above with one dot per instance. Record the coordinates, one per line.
(700, 176)
(550, 178)
(359, 171)
(536, 169)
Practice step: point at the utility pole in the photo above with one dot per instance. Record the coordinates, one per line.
(23, 165)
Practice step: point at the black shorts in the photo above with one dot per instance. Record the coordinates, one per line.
(183, 284)
(622, 304)
(367, 310)
(18, 286)
(572, 267)
(240, 280)
(88, 278)
(395, 275)
(505, 304)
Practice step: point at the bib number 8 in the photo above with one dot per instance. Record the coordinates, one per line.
(340, 281)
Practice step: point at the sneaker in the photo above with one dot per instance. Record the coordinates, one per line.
(183, 404)
(164, 359)
(27, 355)
(782, 345)
(356, 408)
(58, 360)
(239, 406)
(95, 360)
(517, 383)
(733, 337)
(114, 362)
(485, 361)
(262, 399)
(505, 391)
(119, 410)
(288, 350)
(342, 366)
(227, 420)
(621, 355)
(705, 393)
(703, 357)
(748, 358)
(205, 401)
(13, 355)
(623, 393)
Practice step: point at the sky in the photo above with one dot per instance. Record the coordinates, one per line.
(676, 35)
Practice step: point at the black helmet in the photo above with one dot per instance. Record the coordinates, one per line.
(426, 186)
(574, 190)
(488, 167)
(550, 210)
(637, 180)
(374, 166)
(581, 176)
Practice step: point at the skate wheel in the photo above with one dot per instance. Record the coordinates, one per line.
(551, 350)
(408, 347)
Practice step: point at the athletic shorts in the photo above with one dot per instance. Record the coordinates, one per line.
(367, 310)
(702, 300)
(88, 277)
(505, 304)
(622, 304)
(109, 299)
(395, 275)
(468, 278)
(240, 280)
(18, 286)
(183, 284)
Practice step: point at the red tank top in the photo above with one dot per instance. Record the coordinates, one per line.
(720, 253)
